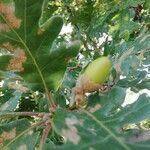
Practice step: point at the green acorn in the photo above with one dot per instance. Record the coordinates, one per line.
(91, 80)
(98, 70)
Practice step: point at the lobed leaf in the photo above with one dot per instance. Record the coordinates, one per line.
(33, 59)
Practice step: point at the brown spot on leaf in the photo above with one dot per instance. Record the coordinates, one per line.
(18, 87)
(7, 135)
(7, 46)
(30, 132)
(95, 108)
(71, 133)
(91, 148)
(1, 142)
(120, 60)
(4, 27)
(19, 57)
(40, 31)
(73, 121)
(144, 136)
(141, 55)
(10, 18)
(22, 147)
(16, 63)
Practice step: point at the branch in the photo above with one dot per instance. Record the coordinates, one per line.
(45, 135)
(4, 115)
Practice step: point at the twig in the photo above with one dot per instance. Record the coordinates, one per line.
(4, 115)
(52, 106)
(45, 135)
(75, 67)
(93, 43)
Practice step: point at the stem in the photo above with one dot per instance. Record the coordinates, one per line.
(50, 100)
(45, 135)
(4, 115)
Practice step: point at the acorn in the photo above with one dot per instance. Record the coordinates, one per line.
(98, 70)
(96, 73)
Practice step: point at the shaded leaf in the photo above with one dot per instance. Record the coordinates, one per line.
(4, 60)
(12, 103)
